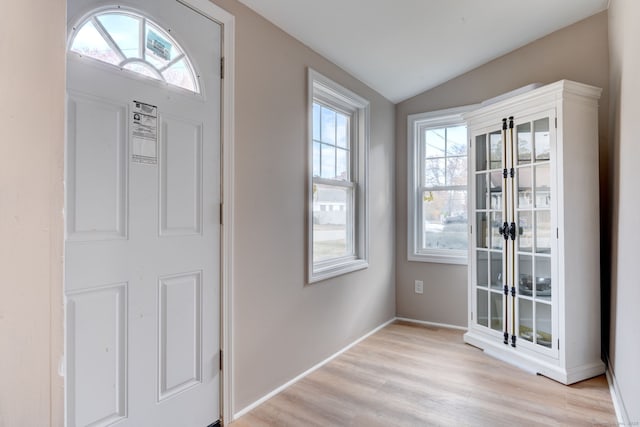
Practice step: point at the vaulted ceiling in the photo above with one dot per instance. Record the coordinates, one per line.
(403, 47)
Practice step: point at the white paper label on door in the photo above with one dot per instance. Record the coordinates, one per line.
(144, 134)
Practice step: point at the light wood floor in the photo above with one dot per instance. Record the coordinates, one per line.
(411, 375)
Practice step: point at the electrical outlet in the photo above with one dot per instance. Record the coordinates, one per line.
(419, 287)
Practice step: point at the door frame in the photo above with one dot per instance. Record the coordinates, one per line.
(227, 120)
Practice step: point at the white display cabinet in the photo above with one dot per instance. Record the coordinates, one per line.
(534, 253)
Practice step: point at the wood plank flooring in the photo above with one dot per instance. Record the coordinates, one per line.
(412, 375)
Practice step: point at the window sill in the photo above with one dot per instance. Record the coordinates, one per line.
(337, 269)
(439, 258)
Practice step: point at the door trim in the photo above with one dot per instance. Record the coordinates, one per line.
(227, 21)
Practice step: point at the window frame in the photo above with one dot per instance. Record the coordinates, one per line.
(329, 93)
(145, 23)
(417, 124)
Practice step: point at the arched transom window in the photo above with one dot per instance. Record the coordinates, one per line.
(132, 42)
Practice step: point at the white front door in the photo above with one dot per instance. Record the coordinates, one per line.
(142, 260)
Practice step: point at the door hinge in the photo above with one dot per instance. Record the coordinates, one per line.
(220, 213)
(222, 67)
(558, 343)
(472, 315)
(556, 123)
(221, 359)
(557, 233)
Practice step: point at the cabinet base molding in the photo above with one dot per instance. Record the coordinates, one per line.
(534, 364)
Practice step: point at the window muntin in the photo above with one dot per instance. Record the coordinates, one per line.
(134, 43)
(437, 211)
(338, 123)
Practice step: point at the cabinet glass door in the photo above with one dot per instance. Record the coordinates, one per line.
(488, 244)
(535, 237)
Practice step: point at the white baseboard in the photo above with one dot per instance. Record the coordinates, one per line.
(307, 372)
(437, 325)
(616, 397)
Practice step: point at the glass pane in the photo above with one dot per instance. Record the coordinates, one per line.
(481, 152)
(179, 74)
(496, 179)
(331, 218)
(525, 270)
(342, 164)
(482, 269)
(543, 278)
(141, 68)
(543, 186)
(495, 150)
(482, 225)
(496, 270)
(525, 190)
(525, 317)
(316, 122)
(542, 140)
(543, 325)
(434, 172)
(445, 219)
(496, 311)
(159, 50)
(456, 173)
(342, 131)
(89, 42)
(497, 239)
(327, 125)
(481, 191)
(125, 31)
(434, 143)
(525, 147)
(482, 307)
(525, 231)
(316, 159)
(457, 141)
(328, 161)
(543, 232)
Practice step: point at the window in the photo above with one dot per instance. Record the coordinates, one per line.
(338, 147)
(437, 211)
(132, 42)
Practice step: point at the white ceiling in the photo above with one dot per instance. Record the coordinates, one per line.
(403, 47)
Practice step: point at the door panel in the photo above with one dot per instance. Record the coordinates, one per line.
(488, 259)
(96, 168)
(180, 333)
(181, 177)
(96, 348)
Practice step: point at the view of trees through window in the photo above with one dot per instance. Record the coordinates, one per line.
(444, 188)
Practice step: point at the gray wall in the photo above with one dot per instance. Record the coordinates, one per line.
(624, 349)
(578, 52)
(282, 327)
